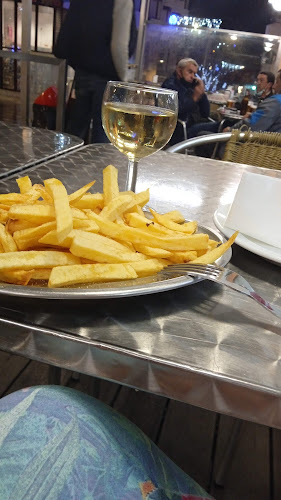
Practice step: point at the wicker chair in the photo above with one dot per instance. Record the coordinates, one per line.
(261, 149)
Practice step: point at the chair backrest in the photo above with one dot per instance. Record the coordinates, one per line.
(262, 149)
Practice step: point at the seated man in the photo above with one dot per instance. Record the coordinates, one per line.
(267, 117)
(194, 106)
(265, 86)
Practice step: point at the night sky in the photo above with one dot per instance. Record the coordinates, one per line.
(242, 15)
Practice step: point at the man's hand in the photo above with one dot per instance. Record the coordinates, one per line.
(199, 90)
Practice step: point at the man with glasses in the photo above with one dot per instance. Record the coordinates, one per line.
(265, 82)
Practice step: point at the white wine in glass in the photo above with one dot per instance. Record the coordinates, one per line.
(139, 120)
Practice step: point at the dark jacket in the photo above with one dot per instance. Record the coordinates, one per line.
(85, 37)
(189, 110)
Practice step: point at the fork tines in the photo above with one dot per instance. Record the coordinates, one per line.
(206, 269)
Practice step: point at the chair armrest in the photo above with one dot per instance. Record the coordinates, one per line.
(198, 141)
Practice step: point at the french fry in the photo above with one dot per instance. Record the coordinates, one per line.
(3, 216)
(175, 216)
(16, 277)
(62, 209)
(101, 249)
(139, 236)
(39, 214)
(212, 244)
(46, 197)
(85, 225)
(78, 214)
(77, 195)
(159, 253)
(12, 198)
(7, 241)
(24, 184)
(147, 267)
(182, 257)
(127, 244)
(142, 198)
(28, 238)
(125, 193)
(97, 210)
(89, 201)
(187, 227)
(116, 207)
(18, 225)
(36, 214)
(51, 238)
(110, 184)
(214, 254)
(40, 274)
(142, 222)
(33, 194)
(33, 259)
(90, 273)
(139, 210)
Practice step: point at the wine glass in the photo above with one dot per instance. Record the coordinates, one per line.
(139, 120)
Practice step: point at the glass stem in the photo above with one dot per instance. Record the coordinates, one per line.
(132, 174)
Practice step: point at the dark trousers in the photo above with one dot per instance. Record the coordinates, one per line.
(89, 91)
(199, 128)
(193, 131)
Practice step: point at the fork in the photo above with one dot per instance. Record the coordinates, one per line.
(224, 277)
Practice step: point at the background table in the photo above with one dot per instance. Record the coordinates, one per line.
(23, 147)
(203, 344)
(227, 114)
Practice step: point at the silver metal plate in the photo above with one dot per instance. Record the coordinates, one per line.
(130, 288)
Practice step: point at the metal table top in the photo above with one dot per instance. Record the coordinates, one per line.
(203, 344)
(23, 147)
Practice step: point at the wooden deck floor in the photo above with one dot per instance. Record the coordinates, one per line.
(184, 433)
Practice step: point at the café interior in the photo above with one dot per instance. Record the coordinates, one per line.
(191, 362)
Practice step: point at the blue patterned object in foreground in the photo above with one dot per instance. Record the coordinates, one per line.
(57, 443)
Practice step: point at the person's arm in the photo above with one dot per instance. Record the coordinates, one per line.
(185, 100)
(122, 17)
(266, 114)
(204, 106)
(63, 45)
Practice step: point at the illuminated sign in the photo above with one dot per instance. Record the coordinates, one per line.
(194, 22)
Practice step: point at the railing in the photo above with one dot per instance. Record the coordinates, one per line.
(27, 58)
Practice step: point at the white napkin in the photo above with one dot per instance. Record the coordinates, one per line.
(256, 208)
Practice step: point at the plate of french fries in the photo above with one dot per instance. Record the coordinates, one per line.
(85, 244)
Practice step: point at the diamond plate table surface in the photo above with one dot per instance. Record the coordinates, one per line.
(203, 344)
(23, 147)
